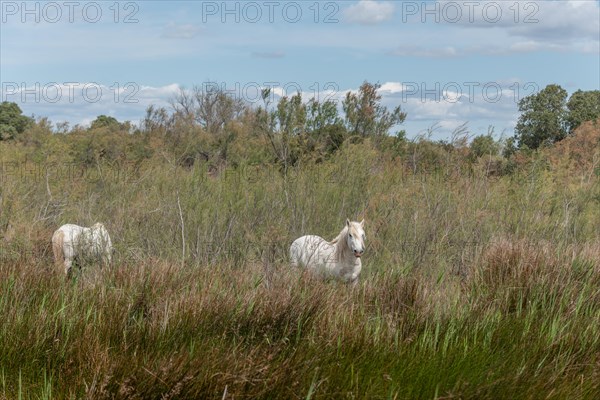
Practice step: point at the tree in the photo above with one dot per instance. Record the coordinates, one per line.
(12, 120)
(282, 126)
(216, 108)
(209, 106)
(543, 117)
(157, 120)
(583, 106)
(321, 115)
(324, 125)
(366, 116)
(484, 145)
(104, 121)
(291, 115)
(509, 147)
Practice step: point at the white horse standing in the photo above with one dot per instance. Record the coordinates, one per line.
(339, 258)
(71, 241)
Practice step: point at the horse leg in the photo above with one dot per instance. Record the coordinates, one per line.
(106, 257)
(68, 267)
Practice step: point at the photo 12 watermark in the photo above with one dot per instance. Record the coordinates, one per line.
(453, 92)
(253, 12)
(406, 91)
(257, 92)
(38, 172)
(70, 92)
(53, 12)
(470, 12)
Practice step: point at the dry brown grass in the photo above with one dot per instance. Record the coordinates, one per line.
(579, 152)
(472, 287)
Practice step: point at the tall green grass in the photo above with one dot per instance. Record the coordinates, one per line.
(472, 286)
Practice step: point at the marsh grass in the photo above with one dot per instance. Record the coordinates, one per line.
(472, 286)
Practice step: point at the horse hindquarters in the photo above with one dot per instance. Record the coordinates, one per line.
(296, 253)
(310, 251)
(57, 243)
(107, 248)
(58, 249)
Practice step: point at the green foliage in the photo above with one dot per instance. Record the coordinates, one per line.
(322, 115)
(91, 149)
(547, 118)
(543, 117)
(298, 130)
(290, 116)
(509, 147)
(366, 116)
(37, 136)
(12, 120)
(484, 145)
(324, 126)
(583, 106)
(157, 121)
(425, 156)
(269, 122)
(108, 122)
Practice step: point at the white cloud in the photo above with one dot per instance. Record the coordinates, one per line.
(392, 87)
(449, 105)
(559, 21)
(498, 28)
(369, 12)
(280, 92)
(80, 103)
(167, 90)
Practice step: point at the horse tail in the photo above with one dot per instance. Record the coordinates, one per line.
(57, 246)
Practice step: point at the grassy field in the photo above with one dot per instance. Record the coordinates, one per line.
(474, 286)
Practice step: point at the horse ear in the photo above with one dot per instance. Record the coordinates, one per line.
(362, 223)
(347, 222)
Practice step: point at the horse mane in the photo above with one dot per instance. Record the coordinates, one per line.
(340, 236)
(340, 243)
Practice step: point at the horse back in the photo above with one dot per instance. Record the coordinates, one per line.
(309, 250)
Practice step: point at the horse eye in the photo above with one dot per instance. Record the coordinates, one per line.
(350, 234)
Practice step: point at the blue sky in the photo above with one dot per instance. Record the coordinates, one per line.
(445, 62)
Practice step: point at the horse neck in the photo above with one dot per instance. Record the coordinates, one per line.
(95, 230)
(83, 232)
(342, 251)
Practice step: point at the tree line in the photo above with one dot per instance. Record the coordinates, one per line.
(208, 124)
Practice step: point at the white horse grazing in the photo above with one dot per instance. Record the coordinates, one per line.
(339, 258)
(71, 241)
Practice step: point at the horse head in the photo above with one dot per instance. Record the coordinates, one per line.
(356, 237)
